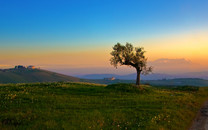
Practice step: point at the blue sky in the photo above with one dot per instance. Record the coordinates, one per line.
(32, 26)
(94, 22)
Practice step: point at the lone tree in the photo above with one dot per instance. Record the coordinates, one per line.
(130, 56)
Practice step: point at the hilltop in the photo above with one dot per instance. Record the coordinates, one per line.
(30, 74)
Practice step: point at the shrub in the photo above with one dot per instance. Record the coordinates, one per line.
(122, 87)
(186, 88)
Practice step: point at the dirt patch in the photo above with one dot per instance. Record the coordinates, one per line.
(201, 121)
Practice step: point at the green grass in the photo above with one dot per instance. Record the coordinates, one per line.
(92, 106)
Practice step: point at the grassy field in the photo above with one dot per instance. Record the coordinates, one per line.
(91, 106)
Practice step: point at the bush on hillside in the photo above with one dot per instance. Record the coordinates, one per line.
(122, 87)
(186, 88)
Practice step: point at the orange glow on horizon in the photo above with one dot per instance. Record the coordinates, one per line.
(193, 47)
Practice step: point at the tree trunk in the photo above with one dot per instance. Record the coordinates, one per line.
(138, 77)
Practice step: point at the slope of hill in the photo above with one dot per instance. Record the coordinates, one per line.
(154, 76)
(93, 106)
(178, 82)
(165, 82)
(32, 75)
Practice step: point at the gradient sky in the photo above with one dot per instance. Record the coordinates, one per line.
(61, 34)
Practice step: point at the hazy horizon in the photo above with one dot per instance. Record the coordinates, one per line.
(162, 66)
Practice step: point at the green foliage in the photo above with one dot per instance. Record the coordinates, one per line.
(187, 88)
(130, 56)
(92, 106)
(123, 87)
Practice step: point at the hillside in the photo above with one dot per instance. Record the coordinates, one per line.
(32, 75)
(167, 83)
(153, 76)
(93, 106)
(178, 82)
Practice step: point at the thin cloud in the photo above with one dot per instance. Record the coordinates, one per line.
(2, 66)
(181, 65)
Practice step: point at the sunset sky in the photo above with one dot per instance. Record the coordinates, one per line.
(76, 37)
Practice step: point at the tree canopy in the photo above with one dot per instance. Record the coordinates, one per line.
(130, 56)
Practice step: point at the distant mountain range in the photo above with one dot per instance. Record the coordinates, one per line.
(25, 75)
(30, 75)
(154, 76)
(161, 83)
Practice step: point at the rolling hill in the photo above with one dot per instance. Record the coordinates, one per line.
(25, 75)
(154, 76)
(32, 75)
(165, 82)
